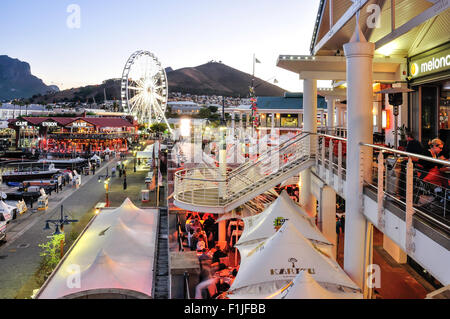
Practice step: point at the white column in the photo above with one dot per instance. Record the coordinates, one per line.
(307, 200)
(359, 56)
(328, 212)
(273, 120)
(330, 110)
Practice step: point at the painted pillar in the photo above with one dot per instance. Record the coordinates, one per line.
(359, 56)
(309, 125)
(330, 110)
(328, 212)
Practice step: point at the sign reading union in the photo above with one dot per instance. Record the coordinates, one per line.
(437, 62)
(49, 124)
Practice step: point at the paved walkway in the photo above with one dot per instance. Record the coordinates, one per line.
(398, 281)
(19, 257)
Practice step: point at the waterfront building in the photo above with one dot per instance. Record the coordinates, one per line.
(74, 134)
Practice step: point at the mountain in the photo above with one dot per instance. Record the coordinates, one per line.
(208, 79)
(16, 80)
(216, 78)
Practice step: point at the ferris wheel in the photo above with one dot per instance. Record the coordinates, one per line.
(144, 88)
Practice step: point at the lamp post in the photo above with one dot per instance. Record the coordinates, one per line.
(59, 223)
(106, 180)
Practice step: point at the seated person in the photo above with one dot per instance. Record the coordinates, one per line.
(218, 254)
(205, 255)
(433, 171)
(201, 245)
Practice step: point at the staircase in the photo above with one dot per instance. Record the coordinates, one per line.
(162, 258)
(204, 189)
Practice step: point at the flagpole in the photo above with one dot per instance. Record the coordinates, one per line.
(159, 172)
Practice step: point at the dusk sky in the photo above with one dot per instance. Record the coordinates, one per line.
(180, 33)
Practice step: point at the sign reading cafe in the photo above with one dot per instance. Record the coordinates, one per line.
(433, 63)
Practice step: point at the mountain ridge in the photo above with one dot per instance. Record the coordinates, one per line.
(212, 78)
(16, 80)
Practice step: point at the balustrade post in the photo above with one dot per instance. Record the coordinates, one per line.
(322, 158)
(340, 186)
(380, 191)
(410, 231)
(330, 163)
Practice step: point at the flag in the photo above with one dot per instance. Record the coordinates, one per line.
(257, 61)
(152, 186)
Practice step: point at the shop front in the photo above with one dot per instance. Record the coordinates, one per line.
(69, 135)
(429, 75)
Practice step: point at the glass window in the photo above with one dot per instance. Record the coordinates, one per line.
(289, 120)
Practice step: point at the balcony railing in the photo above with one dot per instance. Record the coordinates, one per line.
(208, 187)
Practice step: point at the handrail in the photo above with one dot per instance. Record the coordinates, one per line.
(241, 167)
(277, 148)
(249, 164)
(331, 136)
(423, 157)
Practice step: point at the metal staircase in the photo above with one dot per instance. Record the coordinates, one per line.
(204, 189)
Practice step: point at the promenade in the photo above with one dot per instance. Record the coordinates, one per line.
(19, 257)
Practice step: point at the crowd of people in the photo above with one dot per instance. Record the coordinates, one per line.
(217, 271)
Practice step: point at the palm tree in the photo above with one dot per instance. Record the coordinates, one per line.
(293, 261)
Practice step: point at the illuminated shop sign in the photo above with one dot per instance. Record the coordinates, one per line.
(79, 124)
(21, 123)
(431, 64)
(49, 124)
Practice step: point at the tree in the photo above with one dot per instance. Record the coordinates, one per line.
(52, 252)
(204, 113)
(158, 128)
(213, 108)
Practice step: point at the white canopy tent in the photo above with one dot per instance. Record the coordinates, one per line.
(96, 158)
(260, 227)
(305, 287)
(277, 261)
(115, 255)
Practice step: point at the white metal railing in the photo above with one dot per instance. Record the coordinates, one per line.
(337, 131)
(207, 187)
(330, 159)
(413, 181)
(424, 198)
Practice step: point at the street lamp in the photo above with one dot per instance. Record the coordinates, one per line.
(59, 226)
(106, 179)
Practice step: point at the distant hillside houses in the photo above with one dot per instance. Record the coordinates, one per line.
(205, 100)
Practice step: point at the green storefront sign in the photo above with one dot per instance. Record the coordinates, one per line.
(433, 63)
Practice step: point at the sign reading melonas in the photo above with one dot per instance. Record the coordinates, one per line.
(433, 63)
